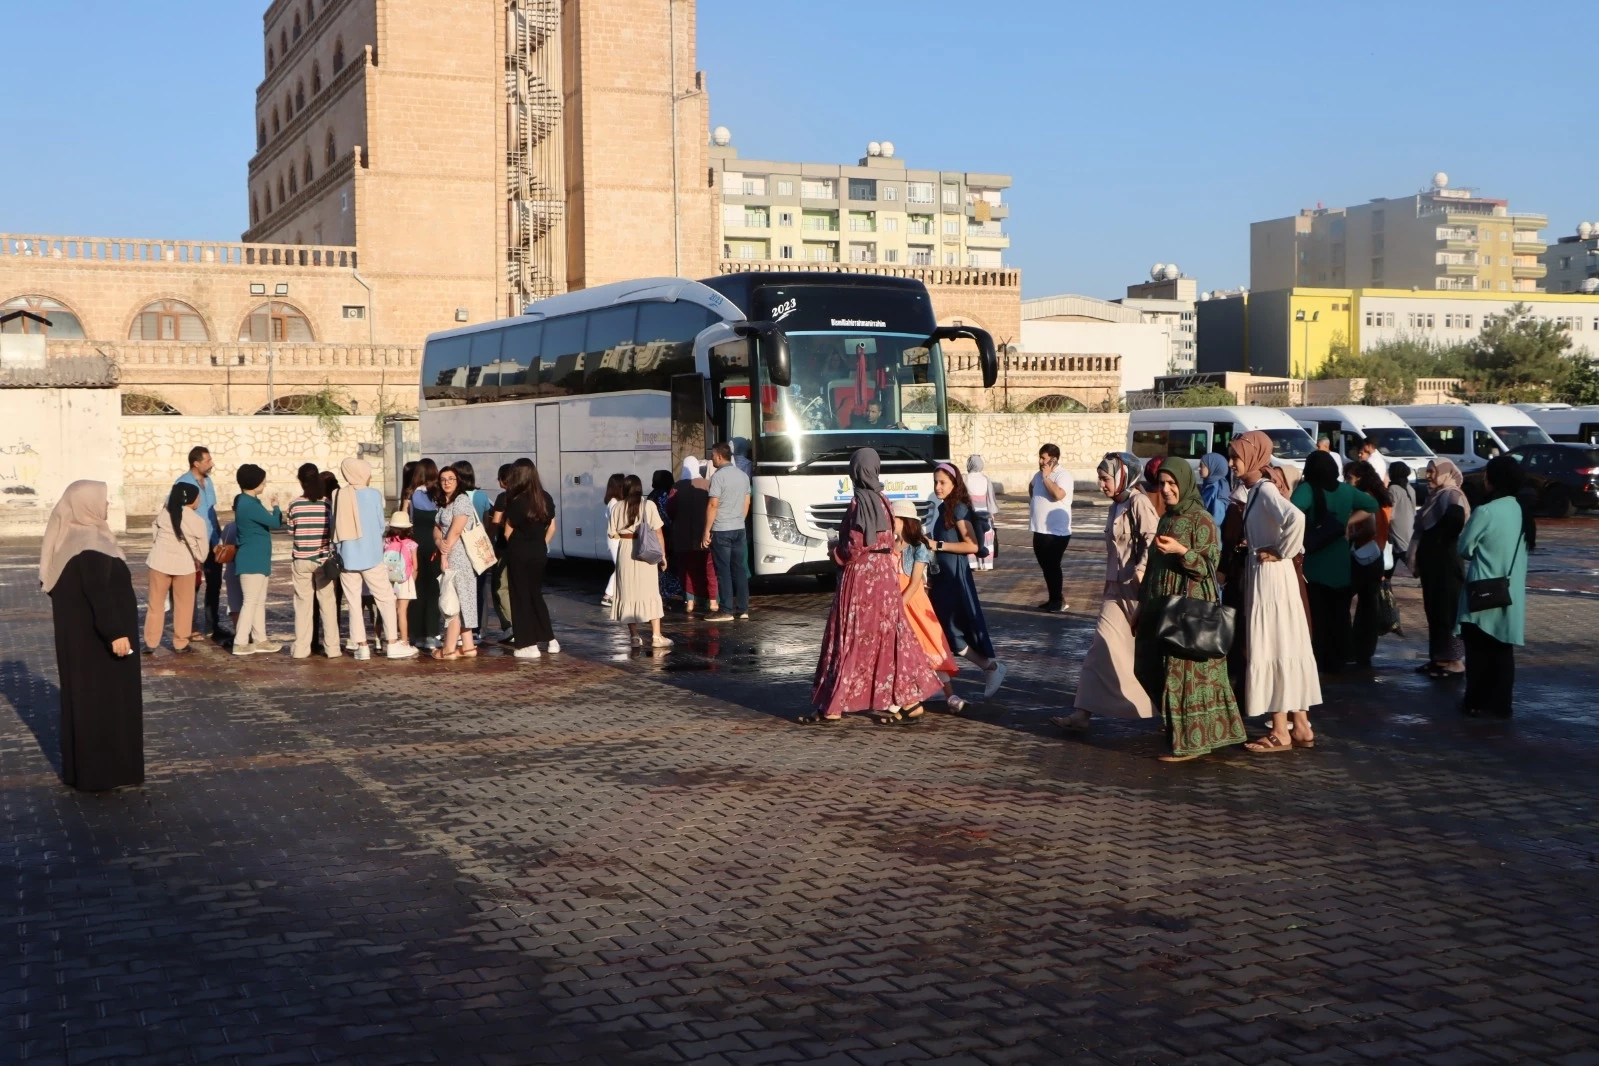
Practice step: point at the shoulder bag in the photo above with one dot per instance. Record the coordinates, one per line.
(1190, 628)
(1492, 593)
(479, 549)
(333, 565)
(647, 541)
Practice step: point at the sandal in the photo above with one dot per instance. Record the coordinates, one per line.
(890, 717)
(1269, 743)
(814, 719)
(467, 653)
(1075, 722)
(440, 654)
(1178, 758)
(910, 714)
(1438, 673)
(1311, 743)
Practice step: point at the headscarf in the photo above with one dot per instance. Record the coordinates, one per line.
(871, 513)
(974, 464)
(1115, 467)
(1152, 473)
(1188, 502)
(1254, 451)
(690, 469)
(1292, 476)
(346, 513)
(181, 496)
(1446, 494)
(78, 524)
(1216, 470)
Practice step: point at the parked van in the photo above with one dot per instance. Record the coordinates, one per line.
(1346, 426)
(1470, 434)
(1190, 432)
(1564, 422)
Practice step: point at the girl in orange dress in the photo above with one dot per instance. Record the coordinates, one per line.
(915, 557)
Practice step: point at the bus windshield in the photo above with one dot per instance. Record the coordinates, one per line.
(857, 382)
(1521, 436)
(1397, 443)
(1290, 443)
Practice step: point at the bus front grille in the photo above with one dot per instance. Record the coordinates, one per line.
(829, 515)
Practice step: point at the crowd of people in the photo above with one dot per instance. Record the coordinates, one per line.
(1228, 594)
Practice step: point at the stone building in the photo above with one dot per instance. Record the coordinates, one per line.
(419, 164)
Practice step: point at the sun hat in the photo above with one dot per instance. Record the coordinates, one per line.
(399, 520)
(905, 509)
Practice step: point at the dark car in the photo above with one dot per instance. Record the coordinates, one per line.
(1560, 477)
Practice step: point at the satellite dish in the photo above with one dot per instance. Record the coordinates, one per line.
(1172, 273)
(888, 149)
(1585, 230)
(1440, 180)
(874, 148)
(1205, 295)
(1590, 284)
(1157, 271)
(721, 136)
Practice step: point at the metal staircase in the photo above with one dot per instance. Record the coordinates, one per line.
(534, 160)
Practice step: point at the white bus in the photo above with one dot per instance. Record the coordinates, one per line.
(1190, 432)
(1470, 434)
(631, 377)
(1564, 422)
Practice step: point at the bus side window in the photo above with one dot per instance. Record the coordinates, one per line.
(609, 351)
(667, 331)
(444, 369)
(519, 361)
(1187, 443)
(561, 358)
(1223, 437)
(1484, 444)
(1445, 440)
(484, 377)
(1148, 443)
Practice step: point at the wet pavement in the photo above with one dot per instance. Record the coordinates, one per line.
(626, 857)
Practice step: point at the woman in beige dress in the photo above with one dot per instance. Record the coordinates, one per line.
(176, 554)
(1107, 684)
(638, 584)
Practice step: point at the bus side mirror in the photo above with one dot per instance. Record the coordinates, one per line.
(774, 345)
(985, 348)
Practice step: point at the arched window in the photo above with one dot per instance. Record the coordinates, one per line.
(318, 403)
(255, 211)
(299, 96)
(275, 124)
(139, 403)
(271, 59)
(316, 77)
(328, 155)
(288, 107)
(281, 196)
(267, 192)
(296, 25)
(260, 136)
(286, 322)
(64, 325)
(294, 181)
(338, 55)
(168, 320)
(310, 10)
(283, 42)
(305, 170)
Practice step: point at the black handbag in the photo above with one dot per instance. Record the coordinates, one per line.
(333, 565)
(1492, 593)
(1190, 628)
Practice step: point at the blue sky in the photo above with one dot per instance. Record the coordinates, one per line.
(1135, 133)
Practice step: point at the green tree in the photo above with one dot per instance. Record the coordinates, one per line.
(1582, 387)
(1391, 368)
(1201, 396)
(1518, 358)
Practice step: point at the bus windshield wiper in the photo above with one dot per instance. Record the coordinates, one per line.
(837, 455)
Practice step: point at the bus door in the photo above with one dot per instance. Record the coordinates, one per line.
(547, 456)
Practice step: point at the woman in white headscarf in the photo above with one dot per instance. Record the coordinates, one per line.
(96, 616)
(985, 503)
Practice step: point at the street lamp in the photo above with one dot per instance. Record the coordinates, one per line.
(258, 288)
(1300, 316)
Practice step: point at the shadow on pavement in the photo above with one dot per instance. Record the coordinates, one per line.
(37, 701)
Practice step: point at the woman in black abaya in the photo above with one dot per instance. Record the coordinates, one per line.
(96, 631)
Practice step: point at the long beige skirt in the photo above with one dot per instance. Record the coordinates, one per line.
(1107, 684)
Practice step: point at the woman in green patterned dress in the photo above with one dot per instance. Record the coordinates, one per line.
(1194, 698)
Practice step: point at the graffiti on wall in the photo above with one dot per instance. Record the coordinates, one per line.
(19, 468)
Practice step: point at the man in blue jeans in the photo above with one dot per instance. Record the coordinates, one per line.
(729, 509)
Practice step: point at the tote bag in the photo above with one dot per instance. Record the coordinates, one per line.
(647, 543)
(479, 549)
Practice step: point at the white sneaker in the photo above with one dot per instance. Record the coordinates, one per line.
(529, 652)
(996, 678)
(268, 647)
(363, 652)
(554, 647)
(400, 650)
(245, 649)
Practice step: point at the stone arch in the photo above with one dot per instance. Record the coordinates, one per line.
(283, 42)
(271, 59)
(276, 125)
(288, 105)
(145, 403)
(282, 196)
(305, 168)
(299, 95)
(330, 151)
(1056, 403)
(165, 313)
(310, 11)
(294, 180)
(288, 324)
(296, 404)
(338, 54)
(65, 322)
(255, 210)
(298, 28)
(260, 134)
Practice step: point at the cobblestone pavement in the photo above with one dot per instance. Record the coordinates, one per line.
(609, 856)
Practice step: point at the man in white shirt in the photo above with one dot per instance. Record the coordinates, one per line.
(1324, 444)
(1050, 502)
(1367, 451)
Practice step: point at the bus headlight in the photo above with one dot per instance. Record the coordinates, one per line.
(782, 525)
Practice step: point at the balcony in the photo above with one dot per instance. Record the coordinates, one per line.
(1530, 221)
(1528, 270)
(989, 235)
(1527, 244)
(157, 253)
(994, 210)
(974, 277)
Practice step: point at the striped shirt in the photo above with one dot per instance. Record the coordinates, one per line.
(310, 525)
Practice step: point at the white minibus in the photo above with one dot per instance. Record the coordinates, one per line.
(1347, 425)
(1470, 434)
(1190, 432)
(1564, 422)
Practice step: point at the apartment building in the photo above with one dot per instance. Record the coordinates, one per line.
(876, 211)
(1573, 261)
(1167, 299)
(1441, 238)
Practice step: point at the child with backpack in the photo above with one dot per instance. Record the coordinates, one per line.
(399, 558)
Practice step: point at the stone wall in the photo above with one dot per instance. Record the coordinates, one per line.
(155, 452)
(51, 438)
(1009, 443)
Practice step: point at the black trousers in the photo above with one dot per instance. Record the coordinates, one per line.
(1329, 626)
(1048, 548)
(426, 624)
(530, 616)
(213, 592)
(1367, 584)
(1490, 672)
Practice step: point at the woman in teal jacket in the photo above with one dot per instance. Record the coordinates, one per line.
(1494, 544)
(253, 564)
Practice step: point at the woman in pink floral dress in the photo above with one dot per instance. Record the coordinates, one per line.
(871, 660)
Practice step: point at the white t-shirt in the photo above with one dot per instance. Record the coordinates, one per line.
(1050, 515)
(1379, 463)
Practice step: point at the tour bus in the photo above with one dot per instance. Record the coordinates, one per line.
(798, 368)
(1347, 425)
(1190, 432)
(1470, 434)
(1564, 422)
